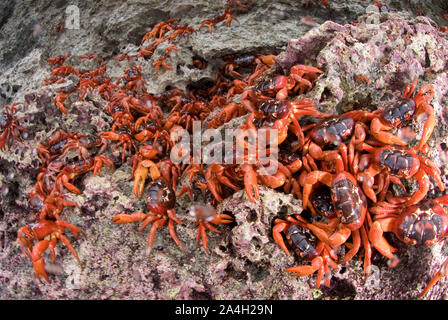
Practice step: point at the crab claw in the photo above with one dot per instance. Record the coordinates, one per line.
(98, 164)
(280, 227)
(141, 173)
(38, 261)
(316, 265)
(250, 182)
(66, 182)
(311, 179)
(274, 181)
(300, 271)
(109, 135)
(58, 101)
(139, 180)
(127, 218)
(222, 218)
(380, 243)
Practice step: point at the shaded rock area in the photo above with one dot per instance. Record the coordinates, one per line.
(366, 65)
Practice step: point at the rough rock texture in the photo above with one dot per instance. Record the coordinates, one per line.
(244, 262)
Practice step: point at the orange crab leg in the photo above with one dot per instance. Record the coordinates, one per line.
(250, 182)
(70, 247)
(226, 181)
(98, 164)
(185, 188)
(157, 224)
(335, 240)
(429, 124)
(423, 183)
(443, 272)
(379, 242)
(222, 218)
(58, 101)
(69, 186)
(148, 220)
(72, 228)
(316, 265)
(377, 128)
(311, 179)
(51, 247)
(172, 218)
(202, 234)
(355, 247)
(367, 249)
(276, 234)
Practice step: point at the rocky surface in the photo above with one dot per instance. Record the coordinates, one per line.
(366, 65)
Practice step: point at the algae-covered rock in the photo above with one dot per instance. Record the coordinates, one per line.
(367, 60)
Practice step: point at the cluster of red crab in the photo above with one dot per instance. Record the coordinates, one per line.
(360, 160)
(137, 118)
(341, 166)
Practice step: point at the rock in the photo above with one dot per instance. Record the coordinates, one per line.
(365, 66)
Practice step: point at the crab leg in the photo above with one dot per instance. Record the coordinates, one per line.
(443, 272)
(355, 247)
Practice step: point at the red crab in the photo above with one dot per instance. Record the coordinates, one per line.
(349, 204)
(206, 217)
(215, 176)
(238, 62)
(161, 201)
(324, 2)
(50, 206)
(160, 62)
(142, 164)
(9, 128)
(228, 112)
(279, 115)
(238, 87)
(73, 170)
(133, 79)
(58, 61)
(47, 177)
(47, 233)
(169, 171)
(53, 147)
(226, 15)
(159, 30)
(238, 3)
(63, 94)
(275, 87)
(307, 246)
(301, 77)
(189, 113)
(82, 143)
(124, 102)
(150, 127)
(399, 115)
(397, 163)
(124, 138)
(64, 70)
(423, 223)
(332, 132)
(263, 63)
